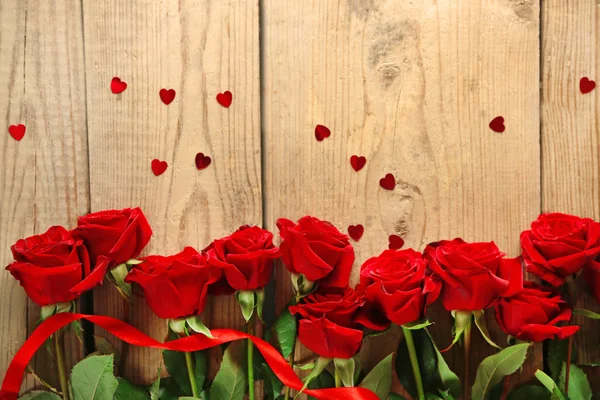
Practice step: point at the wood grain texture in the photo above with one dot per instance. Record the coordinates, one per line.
(570, 133)
(45, 175)
(412, 86)
(199, 48)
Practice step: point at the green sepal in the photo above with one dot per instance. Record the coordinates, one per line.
(482, 326)
(196, 324)
(178, 325)
(462, 322)
(302, 286)
(345, 368)
(413, 326)
(320, 364)
(247, 301)
(586, 313)
(133, 261)
(117, 275)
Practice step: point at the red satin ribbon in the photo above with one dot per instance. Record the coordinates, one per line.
(127, 333)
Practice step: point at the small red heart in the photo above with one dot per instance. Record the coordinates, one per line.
(388, 183)
(322, 132)
(586, 85)
(396, 242)
(167, 95)
(17, 131)
(202, 161)
(225, 99)
(158, 167)
(117, 85)
(358, 162)
(497, 124)
(356, 231)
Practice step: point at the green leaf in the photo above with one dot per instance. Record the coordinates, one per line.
(417, 325)
(462, 321)
(176, 365)
(557, 354)
(40, 395)
(379, 380)
(168, 389)
(231, 381)
(394, 396)
(260, 301)
(586, 313)
(550, 385)
(129, 391)
(155, 387)
(93, 378)
(495, 367)
(428, 364)
(273, 385)
(285, 331)
(246, 298)
(482, 326)
(579, 387)
(345, 368)
(529, 392)
(450, 381)
(118, 275)
(198, 326)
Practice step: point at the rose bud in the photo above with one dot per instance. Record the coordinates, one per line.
(317, 250)
(398, 283)
(331, 322)
(246, 257)
(175, 286)
(119, 235)
(591, 275)
(474, 275)
(559, 245)
(54, 267)
(533, 313)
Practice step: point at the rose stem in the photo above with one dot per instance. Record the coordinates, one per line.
(190, 368)
(467, 349)
(414, 361)
(338, 379)
(568, 369)
(60, 363)
(251, 359)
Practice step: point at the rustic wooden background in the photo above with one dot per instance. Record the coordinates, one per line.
(411, 85)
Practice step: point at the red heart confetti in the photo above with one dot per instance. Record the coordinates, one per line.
(586, 85)
(17, 131)
(225, 99)
(358, 162)
(395, 242)
(356, 231)
(202, 161)
(158, 167)
(167, 95)
(117, 85)
(388, 183)
(322, 132)
(497, 124)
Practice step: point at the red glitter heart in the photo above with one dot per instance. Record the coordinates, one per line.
(497, 124)
(202, 161)
(322, 132)
(356, 231)
(586, 85)
(225, 99)
(17, 131)
(388, 183)
(158, 167)
(117, 85)
(396, 242)
(167, 95)
(358, 162)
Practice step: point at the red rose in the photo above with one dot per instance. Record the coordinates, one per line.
(330, 322)
(474, 274)
(119, 235)
(246, 257)
(54, 267)
(175, 286)
(533, 313)
(591, 275)
(398, 283)
(317, 250)
(559, 245)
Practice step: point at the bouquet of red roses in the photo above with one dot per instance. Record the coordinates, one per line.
(326, 315)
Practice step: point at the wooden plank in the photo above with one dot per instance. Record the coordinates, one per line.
(570, 132)
(199, 48)
(412, 86)
(45, 176)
